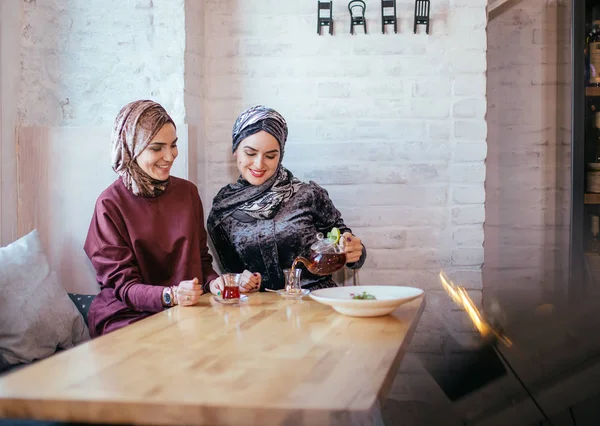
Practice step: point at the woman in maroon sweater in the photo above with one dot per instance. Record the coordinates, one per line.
(146, 240)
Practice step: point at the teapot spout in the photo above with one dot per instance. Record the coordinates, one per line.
(303, 261)
(322, 264)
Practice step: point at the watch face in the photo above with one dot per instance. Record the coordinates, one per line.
(167, 298)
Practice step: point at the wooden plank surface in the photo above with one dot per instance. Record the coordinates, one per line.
(61, 173)
(268, 361)
(10, 85)
(592, 91)
(590, 198)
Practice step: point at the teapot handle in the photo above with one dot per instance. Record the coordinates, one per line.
(341, 242)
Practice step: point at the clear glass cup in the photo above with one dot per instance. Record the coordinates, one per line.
(231, 289)
(292, 282)
(293, 289)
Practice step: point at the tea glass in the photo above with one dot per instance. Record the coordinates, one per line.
(293, 289)
(231, 289)
(292, 282)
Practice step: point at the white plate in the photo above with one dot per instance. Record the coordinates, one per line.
(220, 299)
(387, 299)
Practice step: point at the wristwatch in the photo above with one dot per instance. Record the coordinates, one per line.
(167, 296)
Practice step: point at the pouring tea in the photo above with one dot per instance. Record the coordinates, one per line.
(326, 255)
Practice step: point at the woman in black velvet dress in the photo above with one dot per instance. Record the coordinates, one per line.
(261, 223)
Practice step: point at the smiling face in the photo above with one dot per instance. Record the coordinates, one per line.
(158, 157)
(257, 157)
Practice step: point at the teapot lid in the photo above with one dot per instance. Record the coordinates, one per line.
(323, 245)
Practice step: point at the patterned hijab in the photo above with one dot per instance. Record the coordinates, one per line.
(135, 126)
(242, 199)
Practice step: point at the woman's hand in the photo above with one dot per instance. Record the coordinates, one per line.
(250, 281)
(188, 292)
(352, 246)
(217, 285)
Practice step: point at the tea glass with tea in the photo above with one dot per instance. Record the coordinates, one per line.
(231, 289)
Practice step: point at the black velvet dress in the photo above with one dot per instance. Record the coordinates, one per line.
(270, 245)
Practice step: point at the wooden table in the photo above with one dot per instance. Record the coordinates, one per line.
(268, 361)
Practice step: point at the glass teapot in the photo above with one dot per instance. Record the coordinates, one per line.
(326, 256)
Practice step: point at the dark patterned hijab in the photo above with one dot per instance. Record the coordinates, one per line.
(135, 126)
(242, 199)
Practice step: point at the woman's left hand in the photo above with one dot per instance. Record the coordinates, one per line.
(188, 292)
(352, 246)
(250, 281)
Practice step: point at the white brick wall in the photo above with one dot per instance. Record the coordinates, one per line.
(82, 61)
(528, 165)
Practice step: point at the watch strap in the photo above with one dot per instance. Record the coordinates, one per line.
(174, 293)
(167, 296)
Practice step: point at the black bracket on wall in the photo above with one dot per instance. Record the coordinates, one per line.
(422, 14)
(357, 14)
(390, 17)
(325, 18)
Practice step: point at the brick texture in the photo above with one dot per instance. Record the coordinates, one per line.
(82, 61)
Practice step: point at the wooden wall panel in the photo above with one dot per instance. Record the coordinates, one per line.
(10, 85)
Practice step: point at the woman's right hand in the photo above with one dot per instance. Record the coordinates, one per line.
(217, 285)
(188, 292)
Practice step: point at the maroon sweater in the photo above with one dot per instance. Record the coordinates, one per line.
(138, 246)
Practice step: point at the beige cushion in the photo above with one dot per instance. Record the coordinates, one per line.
(36, 315)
